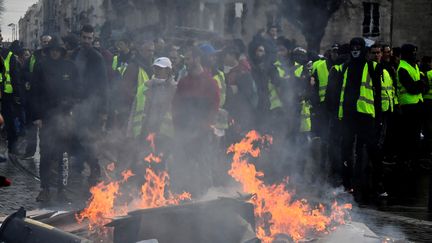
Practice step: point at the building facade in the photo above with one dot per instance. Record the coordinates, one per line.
(390, 21)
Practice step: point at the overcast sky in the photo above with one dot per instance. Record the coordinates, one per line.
(15, 9)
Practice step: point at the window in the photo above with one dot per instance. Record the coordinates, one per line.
(371, 19)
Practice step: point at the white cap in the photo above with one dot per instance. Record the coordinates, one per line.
(163, 62)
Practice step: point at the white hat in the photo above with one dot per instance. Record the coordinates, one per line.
(163, 62)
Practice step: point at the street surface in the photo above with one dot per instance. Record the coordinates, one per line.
(399, 222)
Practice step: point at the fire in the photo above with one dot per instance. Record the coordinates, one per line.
(275, 209)
(152, 158)
(101, 207)
(151, 140)
(154, 192)
(111, 167)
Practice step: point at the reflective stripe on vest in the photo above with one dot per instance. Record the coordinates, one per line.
(387, 92)
(316, 64)
(322, 74)
(114, 63)
(404, 97)
(115, 66)
(365, 102)
(298, 71)
(275, 102)
(306, 123)
(32, 63)
(305, 119)
(429, 94)
(220, 79)
(8, 82)
(140, 100)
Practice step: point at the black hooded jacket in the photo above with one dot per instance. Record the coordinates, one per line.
(54, 88)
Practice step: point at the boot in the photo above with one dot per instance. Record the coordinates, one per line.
(43, 196)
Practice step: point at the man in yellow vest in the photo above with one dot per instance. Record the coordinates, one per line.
(411, 88)
(10, 96)
(138, 71)
(360, 111)
(321, 119)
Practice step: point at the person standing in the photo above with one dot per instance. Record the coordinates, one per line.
(194, 108)
(360, 111)
(53, 97)
(10, 85)
(91, 112)
(410, 90)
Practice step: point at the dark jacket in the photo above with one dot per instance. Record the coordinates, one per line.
(241, 97)
(54, 88)
(93, 82)
(352, 89)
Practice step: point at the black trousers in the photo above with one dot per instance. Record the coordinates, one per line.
(411, 121)
(9, 113)
(54, 141)
(359, 153)
(427, 126)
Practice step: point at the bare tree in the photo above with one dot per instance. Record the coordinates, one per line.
(310, 17)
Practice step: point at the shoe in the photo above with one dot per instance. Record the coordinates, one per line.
(384, 194)
(43, 196)
(61, 196)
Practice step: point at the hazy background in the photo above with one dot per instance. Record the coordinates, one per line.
(14, 10)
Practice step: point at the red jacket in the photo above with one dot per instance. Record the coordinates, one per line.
(196, 102)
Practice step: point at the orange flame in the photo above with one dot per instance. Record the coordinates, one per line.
(152, 158)
(111, 167)
(151, 139)
(275, 210)
(100, 207)
(154, 193)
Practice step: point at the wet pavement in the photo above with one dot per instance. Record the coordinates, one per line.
(406, 220)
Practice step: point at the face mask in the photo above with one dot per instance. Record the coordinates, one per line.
(355, 54)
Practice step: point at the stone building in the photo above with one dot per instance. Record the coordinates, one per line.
(31, 26)
(390, 21)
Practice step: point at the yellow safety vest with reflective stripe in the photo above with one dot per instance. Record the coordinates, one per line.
(404, 97)
(305, 113)
(114, 63)
(220, 79)
(32, 63)
(387, 92)
(115, 66)
(140, 100)
(275, 102)
(8, 81)
(322, 74)
(429, 94)
(316, 64)
(365, 102)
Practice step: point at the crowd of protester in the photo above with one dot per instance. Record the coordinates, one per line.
(354, 107)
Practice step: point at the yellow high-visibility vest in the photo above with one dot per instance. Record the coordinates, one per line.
(404, 97)
(365, 102)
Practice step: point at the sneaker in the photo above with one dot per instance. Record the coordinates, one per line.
(43, 196)
(384, 194)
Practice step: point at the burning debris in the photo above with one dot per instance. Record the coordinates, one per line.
(277, 213)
